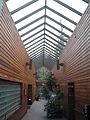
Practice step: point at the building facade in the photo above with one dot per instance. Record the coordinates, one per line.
(74, 75)
(17, 82)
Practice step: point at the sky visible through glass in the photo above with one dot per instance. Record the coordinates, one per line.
(29, 36)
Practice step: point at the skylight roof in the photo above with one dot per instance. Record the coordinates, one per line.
(45, 26)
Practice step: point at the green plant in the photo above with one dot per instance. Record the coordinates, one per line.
(54, 106)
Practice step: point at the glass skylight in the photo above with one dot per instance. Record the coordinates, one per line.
(45, 28)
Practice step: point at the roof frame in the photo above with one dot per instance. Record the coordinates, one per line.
(35, 46)
(23, 6)
(51, 51)
(58, 30)
(25, 26)
(49, 56)
(52, 46)
(55, 40)
(87, 1)
(34, 39)
(25, 17)
(37, 52)
(38, 26)
(58, 47)
(48, 51)
(44, 26)
(37, 56)
(56, 35)
(68, 7)
(33, 35)
(59, 23)
(35, 43)
(61, 15)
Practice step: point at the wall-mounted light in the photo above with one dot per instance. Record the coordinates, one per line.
(59, 64)
(30, 64)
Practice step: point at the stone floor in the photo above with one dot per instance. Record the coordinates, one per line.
(36, 112)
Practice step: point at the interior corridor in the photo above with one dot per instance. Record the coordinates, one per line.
(36, 112)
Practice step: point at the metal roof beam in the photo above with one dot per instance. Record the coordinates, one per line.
(58, 47)
(37, 56)
(55, 40)
(24, 6)
(52, 47)
(87, 1)
(68, 7)
(25, 26)
(51, 51)
(33, 39)
(61, 15)
(33, 56)
(32, 29)
(56, 36)
(35, 49)
(59, 23)
(36, 52)
(54, 55)
(58, 30)
(32, 35)
(25, 17)
(6, 0)
(48, 55)
(35, 46)
(34, 43)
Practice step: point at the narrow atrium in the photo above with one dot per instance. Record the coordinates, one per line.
(44, 60)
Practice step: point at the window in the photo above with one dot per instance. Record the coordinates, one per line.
(9, 97)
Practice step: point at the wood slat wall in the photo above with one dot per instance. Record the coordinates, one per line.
(76, 60)
(13, 56)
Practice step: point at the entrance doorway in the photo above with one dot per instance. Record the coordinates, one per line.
(29, 100)
(71, 101)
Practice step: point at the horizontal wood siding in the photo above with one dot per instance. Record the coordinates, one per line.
(13, 56)
(76, 60)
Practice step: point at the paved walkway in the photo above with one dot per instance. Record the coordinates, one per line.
(36, 112)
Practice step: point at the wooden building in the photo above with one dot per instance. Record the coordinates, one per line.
(16, 79)
(74, 75)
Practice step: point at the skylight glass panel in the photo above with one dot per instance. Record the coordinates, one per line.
(76, 4)
(63, 10)
(12, 4)
(36, 44)
(34, 41)
(42, 32)
(31, 28)
(32, 32)
(30, 19)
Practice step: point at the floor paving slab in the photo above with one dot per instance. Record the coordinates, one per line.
(36, 112)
